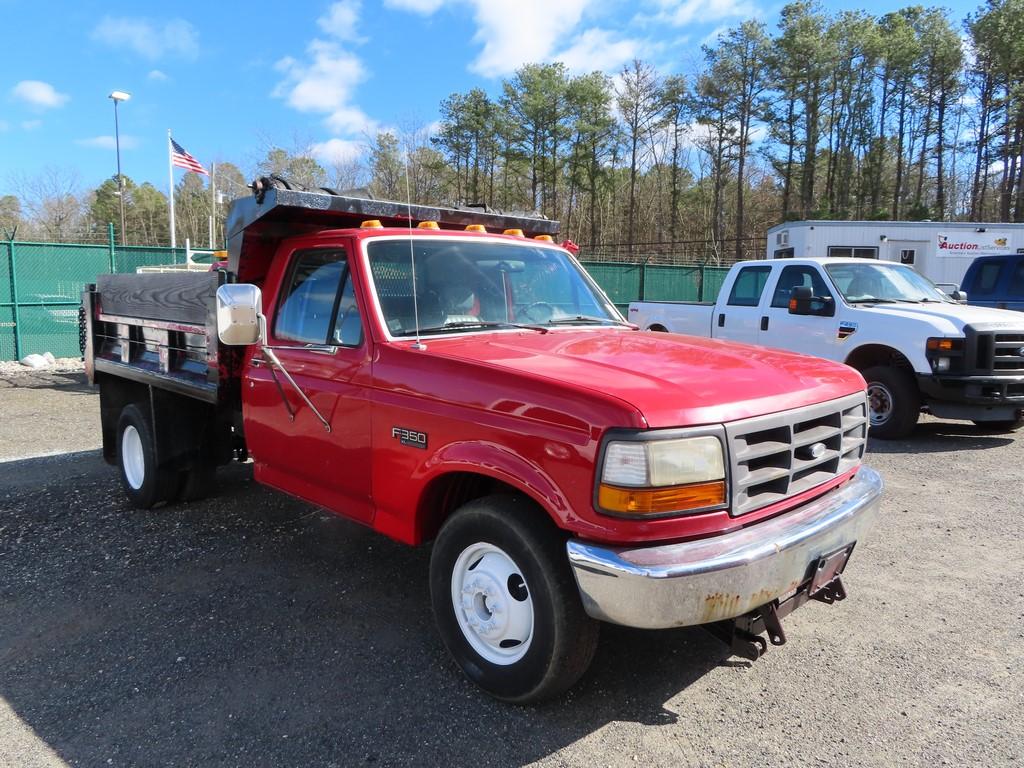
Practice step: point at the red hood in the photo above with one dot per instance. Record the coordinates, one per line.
(672, 380)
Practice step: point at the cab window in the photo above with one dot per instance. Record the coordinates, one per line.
(319, 301)
(988, 277)
(748, 286)
(1017, 281)
(795, 277)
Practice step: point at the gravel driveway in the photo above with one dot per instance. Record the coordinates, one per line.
(252, 630)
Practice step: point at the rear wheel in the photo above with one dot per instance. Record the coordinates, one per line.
(144, 482)
(506, 603)
(894, 403)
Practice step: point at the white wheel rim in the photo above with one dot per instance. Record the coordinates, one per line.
(492, 603)
(880, 401)
(132, 458)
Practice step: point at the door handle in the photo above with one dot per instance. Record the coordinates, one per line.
(721, 320)
(764, 322)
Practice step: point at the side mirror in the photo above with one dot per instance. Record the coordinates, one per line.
(958, 295)
(240, 314)
(800, 300)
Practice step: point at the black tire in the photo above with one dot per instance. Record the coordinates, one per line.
(563, 638)
(898, 385)
(145, 484)
(1004, 425)
(197, 483)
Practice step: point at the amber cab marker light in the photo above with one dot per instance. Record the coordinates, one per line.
(476, 228)
(513, 232)
(371, 224)
(427, 225)
(655, 501)
(544, 238)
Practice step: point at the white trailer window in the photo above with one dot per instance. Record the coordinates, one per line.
(853, 251)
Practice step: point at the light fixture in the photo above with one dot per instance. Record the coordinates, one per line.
(884, 238)
(980, 229)
(117, 96)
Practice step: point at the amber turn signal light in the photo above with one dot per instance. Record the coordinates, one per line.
(657, 501)
(940, 344)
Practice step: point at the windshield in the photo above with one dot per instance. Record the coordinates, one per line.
(469, 284)
(882, 283)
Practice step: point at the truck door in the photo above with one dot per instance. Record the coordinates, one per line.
(739, 319)
(317, 334)
(811, 334)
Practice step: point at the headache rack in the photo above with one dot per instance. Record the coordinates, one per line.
(277, 210)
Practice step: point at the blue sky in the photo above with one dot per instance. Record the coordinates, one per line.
(232, 78)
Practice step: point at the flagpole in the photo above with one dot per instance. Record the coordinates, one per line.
(170, 185)
(213, 202)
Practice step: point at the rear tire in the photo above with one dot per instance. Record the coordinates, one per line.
(894, 403)
(506, 603)
(145, 484)
(197, 483)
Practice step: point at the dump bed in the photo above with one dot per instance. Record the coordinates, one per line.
(158, 329)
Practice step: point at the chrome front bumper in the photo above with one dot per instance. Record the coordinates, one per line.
(708, 580)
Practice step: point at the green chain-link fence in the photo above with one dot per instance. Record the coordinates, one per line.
(41, 286)
(41, 289)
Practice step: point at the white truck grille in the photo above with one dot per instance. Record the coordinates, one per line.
(780, 455)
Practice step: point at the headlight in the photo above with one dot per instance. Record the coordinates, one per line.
(662, 477)
(944, 354)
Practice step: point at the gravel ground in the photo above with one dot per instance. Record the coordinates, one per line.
(252, 630)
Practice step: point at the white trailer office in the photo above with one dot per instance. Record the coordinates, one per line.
(940, 250)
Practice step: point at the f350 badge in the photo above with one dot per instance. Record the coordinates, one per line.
(846, 329)
(410, 437)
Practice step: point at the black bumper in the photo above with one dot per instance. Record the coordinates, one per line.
(973, 390)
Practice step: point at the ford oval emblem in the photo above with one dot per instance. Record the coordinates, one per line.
(813, 451)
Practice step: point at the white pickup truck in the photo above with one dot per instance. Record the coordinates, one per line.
(918, 349)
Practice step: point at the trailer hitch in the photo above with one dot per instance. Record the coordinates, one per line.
(745, 634)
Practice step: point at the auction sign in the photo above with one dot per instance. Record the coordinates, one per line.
(973, 243)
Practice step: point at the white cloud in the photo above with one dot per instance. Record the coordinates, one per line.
(39, 94)
(514, 32)
(425, 7)
(151, 40)
(30, 125)
(338, 151)
(341, 19)
(596, 50)
(679, 14)
(157, 76)
(325, 80)
(108, 142)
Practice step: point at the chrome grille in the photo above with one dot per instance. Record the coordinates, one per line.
(771, 457)
(1006, 352)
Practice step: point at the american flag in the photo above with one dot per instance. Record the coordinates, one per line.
(183, 159)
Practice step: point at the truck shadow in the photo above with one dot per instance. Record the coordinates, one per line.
(251, 629)
(935, 436)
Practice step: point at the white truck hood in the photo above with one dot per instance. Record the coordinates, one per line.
(950, 319)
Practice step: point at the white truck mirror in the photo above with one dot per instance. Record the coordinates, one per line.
(240, 314)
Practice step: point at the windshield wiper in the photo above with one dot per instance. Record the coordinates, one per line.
(875, 301)
(463, 324)
(584, 319)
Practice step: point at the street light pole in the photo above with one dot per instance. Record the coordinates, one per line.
(117, 96)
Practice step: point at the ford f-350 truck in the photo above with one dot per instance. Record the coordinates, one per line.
(453, 376)
(918, 348)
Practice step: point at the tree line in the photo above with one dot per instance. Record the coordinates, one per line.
(844, 115)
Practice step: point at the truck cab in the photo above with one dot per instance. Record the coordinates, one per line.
(918, 348)
(996, 281)
(454, 377)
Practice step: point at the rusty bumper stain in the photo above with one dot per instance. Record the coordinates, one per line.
(717, 578)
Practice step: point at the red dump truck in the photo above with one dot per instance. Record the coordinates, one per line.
(452, 375)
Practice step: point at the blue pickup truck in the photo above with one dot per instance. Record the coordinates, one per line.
(996, 281)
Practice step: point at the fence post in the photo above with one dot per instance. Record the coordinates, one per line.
(700, 283)
(13, 264)
(110, 242)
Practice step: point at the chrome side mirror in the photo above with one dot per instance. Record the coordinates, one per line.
(240, 314)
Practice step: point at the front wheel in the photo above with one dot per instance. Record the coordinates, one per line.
(894, 403)
(506, 604)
